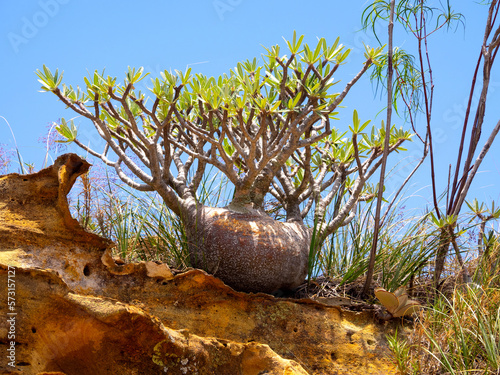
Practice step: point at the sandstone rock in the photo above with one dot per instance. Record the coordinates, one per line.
(79, 312)
(57, 330)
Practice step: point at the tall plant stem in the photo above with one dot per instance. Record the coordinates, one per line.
(465, 272)
(460, 187)
(373, 251)
(422, 36)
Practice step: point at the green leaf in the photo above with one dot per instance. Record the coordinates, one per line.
(365, 124)
(68, 132)
(355, 120)
(295, 45)
(134, 76)
(275, 106)
(228, 148)
(48, 80)
(185, 77)
(292, 103)
(299, 176)
(343, 56)
(318, 49)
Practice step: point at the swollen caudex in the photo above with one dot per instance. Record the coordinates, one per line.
(248, 251)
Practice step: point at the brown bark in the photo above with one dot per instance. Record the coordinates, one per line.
(441, 253)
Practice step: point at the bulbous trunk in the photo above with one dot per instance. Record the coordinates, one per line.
(247, 249)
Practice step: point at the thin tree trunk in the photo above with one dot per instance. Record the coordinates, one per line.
(442, 251)
(465, 272)
(470, 176)
(376, 229)
(480, 240)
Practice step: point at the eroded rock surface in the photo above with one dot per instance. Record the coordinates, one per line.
(80, 313)
(58, 330)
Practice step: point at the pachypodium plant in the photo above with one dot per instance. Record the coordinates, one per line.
(266, 127)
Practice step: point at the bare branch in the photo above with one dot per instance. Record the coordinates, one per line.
(475, 167)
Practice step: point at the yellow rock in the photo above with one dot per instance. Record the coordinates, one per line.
(79, 312)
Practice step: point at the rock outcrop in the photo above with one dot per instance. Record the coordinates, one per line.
(78, 312)
(58, 330)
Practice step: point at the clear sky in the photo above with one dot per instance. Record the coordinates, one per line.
(211, 36)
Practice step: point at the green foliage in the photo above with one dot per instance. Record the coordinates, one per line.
(283, 84)
(400, 348)
(407, 14)
(406, 246)
(48, 80)
(220, 120)
(483, 212)
(68, 131)
(409, 83)
(265, 126)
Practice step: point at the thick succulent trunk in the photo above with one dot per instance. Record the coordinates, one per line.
(246, 248)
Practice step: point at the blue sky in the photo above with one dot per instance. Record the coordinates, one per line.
(211, 36)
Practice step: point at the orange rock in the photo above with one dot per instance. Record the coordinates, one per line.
(79, 312)
(60, 331)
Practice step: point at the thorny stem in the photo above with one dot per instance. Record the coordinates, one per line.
(488, 59)
(461, 198)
